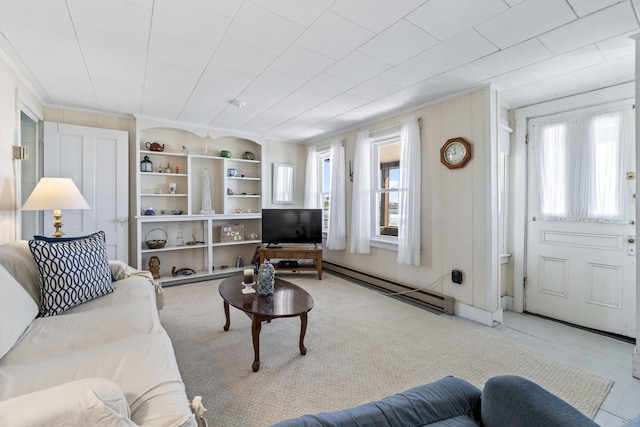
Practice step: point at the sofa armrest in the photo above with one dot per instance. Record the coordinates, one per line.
(120, 270)
(85, 402)
(445, 399)
(517, 402)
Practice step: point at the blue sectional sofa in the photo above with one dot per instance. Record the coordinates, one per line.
(506, 401)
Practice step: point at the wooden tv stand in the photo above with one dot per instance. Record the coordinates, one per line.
(294, 252)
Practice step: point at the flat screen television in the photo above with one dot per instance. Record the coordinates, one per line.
(291, 226)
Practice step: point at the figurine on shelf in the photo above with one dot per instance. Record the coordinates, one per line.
(184, 151)
(154, 266)
(167, 169)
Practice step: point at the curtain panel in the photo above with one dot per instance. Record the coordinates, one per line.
(311, 186)
(337, 234)
(409, 201)
(361, 196)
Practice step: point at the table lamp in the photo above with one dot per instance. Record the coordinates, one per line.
(55, 194)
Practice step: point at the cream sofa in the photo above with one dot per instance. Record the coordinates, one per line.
(107, 361)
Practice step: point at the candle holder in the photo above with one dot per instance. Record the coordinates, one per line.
(248, 281)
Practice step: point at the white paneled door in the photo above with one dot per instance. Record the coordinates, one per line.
(98, 162)
(581, 272)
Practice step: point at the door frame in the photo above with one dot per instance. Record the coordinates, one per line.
(623, 94)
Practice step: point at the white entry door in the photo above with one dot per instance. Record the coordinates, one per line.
(579, 271)
(98, 162)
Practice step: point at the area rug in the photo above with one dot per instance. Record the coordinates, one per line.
(361, 346)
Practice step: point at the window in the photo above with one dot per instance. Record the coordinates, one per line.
(581, 166)
(324, 170)
(386, 165)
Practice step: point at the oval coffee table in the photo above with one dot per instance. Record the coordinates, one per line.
(288, 300)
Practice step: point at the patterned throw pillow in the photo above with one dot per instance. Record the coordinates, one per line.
(71, 272)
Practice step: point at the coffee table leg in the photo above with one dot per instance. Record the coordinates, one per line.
(226, 314)
(303, 331)
(256, 326)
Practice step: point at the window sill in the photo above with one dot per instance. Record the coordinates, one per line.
(382, 243)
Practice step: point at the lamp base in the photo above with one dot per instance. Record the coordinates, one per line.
(57, 223)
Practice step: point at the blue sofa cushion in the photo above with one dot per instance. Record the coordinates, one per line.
(447, 402)
(513, 401)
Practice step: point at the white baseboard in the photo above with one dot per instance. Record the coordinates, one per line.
(506, 303)
(478, 315)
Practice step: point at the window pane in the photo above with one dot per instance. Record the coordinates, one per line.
(388, 169)
(606, 135)
(553, 171)
(387, 213)
(326, 175)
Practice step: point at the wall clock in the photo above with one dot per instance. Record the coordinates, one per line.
(455, 153)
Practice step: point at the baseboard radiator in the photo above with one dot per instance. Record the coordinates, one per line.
(431, 299)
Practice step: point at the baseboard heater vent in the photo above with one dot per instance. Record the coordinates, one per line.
(430, 299)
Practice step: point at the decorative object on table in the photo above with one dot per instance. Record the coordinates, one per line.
(149, 211)
(266, 277)
(231, 233)
(225, 153)
(154, 146)
(172, 188)
(248, 155)
(146, 165)
(155, 243)
(53, 193)
(184, 151)
(239, 261)
(179, 238)
(167, 169)
(177, 211)
(206, 194)
(182, 271)
(154, 266)
(248, 281)
(194, 241)
(232, 172)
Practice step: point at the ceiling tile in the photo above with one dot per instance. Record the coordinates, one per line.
(372, 110)
(119, 17)
(304, 13)
(552, 67)
(617, 47)
(176, 51)
(466, 76)
(263, 30)
(104, 70)
(398, 43)
(169, 81)
(445, 18)
(326, 85)
(585, 7)
(409, 72)
(515, 57)
(189, 22)
(241, 57)
(612, 72)
(51, 15)
(37, 39)
(464, 47)
(374, 89)
(524, 21)
(228, 8)
(333, 36)
(301, 62)
(357, 67)
(593, 28)
(375, 15)
(548, 89)
(96, 42)
(331, 108)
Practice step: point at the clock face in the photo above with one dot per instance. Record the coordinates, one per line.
(455, 153)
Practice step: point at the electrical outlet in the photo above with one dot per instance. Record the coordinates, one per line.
(456, 276)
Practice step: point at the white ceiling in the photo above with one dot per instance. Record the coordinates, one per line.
(308, 68)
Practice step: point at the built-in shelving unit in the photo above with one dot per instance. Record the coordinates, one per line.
(236, 199)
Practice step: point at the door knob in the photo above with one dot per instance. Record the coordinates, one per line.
(631, 240)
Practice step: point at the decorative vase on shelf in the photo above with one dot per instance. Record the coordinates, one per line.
(266, 277)
(206, 194)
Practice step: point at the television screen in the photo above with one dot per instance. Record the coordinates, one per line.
(291, 226)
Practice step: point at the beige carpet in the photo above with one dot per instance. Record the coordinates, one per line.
(361, 345)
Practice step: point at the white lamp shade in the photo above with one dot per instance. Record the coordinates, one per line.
(55, 194)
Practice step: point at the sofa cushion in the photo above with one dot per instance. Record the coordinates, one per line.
(17, 310)
(71, 272)
(17, 259)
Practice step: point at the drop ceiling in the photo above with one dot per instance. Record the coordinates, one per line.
(304, 69)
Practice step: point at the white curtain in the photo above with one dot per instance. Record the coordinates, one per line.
(337, 235)
(361, 197)
(311, 187)
(409, 193)
(581, 163)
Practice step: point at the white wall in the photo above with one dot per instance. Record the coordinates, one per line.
(13, 94)
(456, 205)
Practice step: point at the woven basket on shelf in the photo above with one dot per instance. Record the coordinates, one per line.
(155, 243)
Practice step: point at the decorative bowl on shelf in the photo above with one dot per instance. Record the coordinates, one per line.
(248, 155)
(176, 212)
(225, 153)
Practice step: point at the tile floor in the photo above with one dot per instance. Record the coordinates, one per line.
(604, 356)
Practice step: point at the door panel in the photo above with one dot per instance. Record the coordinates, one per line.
(97, 160)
